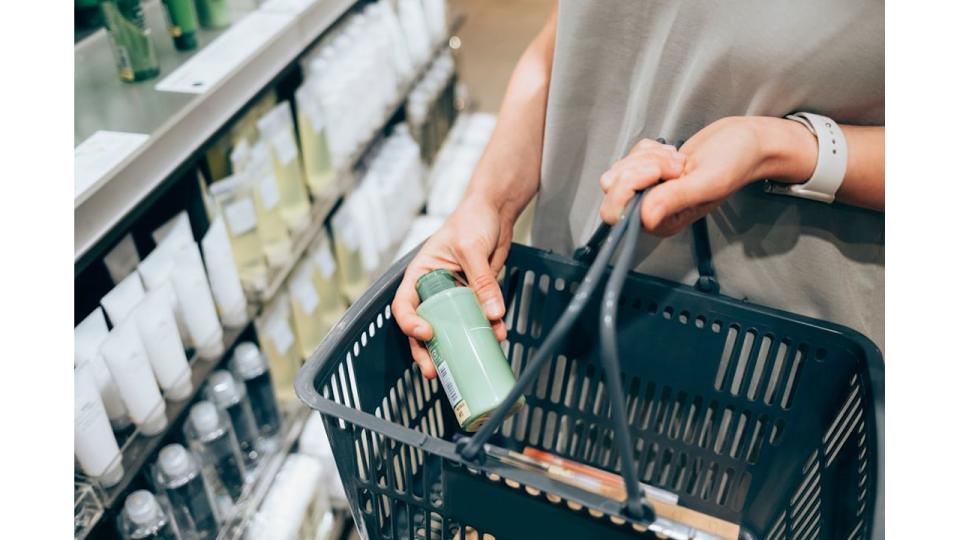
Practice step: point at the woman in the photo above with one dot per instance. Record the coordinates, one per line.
(601, 76)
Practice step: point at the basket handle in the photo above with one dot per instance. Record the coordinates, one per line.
(471, 448)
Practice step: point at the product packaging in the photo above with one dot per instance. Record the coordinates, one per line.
(122, 299)
(125, 356)
(225, 281)
(235, 202)
(277, 129)
(158, 331)
(130, 39)
(196, 300)
(347, 246)
(266, 195)
(144, 517)
(88, 336)
(192, 501)
(326, 282)
(94, 444)
(211, 437)
(122, 260)
(317, 163)
(307, 317)
(279, 343)
(156, 271)
(230, 396)
(182, 23)
(213, 13)
(250, 366)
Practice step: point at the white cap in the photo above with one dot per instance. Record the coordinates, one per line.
(213, 348)
(142, 507)
(175, 461)
(248, 362)
(224, 389)
(205, 418)
(155, 423)
(182, 388)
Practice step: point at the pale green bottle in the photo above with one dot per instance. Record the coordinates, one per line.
(470, 363)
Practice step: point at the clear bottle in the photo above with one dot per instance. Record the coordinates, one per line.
(266, 196)
(276, 128)
(326, 282)
(280, 345)
(317, 162)
(130, 39)
(235, 203)
(250, 366)
(143, 517)
(192, 501)
(211, 437)
(230, 397)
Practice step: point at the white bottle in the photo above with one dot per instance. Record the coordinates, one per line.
(94, 444)
(156, 271)
(158, 331)
(89, 335)
(143, 517)
(224, 278)
(196, 300)
(130, 367)
(120, 301)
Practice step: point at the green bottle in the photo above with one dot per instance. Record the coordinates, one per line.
(182, 19)
(213, 13)
(130, 37)
(470, 363)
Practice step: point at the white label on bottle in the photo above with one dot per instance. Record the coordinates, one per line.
(223, 55)
(122, 259)
(285, 146)
(241, 217)
(269, 192)
(281, 335)
(303, 290)
(314, 113)
(325, 261)
(99, 154)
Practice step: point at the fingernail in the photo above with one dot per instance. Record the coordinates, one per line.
(492, 307)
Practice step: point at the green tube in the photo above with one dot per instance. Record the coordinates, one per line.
(213, 13)
(470, 363)
(130, 38)
(182, 19)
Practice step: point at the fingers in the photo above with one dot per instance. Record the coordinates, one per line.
(473, 259)
(404, 309)
(645, 166)
(686, 194)
(499, 329)
(422, 357)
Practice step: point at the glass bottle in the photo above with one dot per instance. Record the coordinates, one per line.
(250, 366)
(276, 128)
(143, 517)
(235, 203)
(179, 476)
(231, 397)
(130, 40)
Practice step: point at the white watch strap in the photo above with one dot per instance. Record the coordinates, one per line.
(831, 161)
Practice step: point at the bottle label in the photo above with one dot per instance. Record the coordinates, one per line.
(303, 290)
(324, 261)
(241, 217)
(460, 407)
(285, 146)
(281, 335)
(269, 192)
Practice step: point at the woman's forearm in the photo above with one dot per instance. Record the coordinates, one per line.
(508, 173)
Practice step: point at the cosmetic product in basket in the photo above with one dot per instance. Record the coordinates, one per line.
(143, 518)
(250, 366)
(213, 13)
(191, 498)
(472, 368)
(94, 444)
(211, 437)
(130, 39)
(182, 23)
(230, 396)
(125, 356)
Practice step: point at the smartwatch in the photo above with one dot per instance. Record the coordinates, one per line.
(831, 161)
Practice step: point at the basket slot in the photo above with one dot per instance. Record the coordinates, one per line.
(759, 371)
(783, 348)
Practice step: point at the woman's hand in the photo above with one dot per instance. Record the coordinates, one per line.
(474, 240)
(720, 159)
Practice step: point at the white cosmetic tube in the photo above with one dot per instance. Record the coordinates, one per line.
(196, 301)
(88, 336)
(158, 267)
(158, 331)
(224, 279)
(120, 301)
(178, 225)
(94, 444)
(130, 367)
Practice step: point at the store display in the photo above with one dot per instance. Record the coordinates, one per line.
(325, 281)
(196, 300)
(431, 109)
(250, 366)
(156, 271)
(271, 227)
(230, 397)
(346, 245)
(224, 279)
(88, 336)
(120, 302)
(280, 345)
(317, 161)
(213, 13)
(305, 304)
(94, 444)
(277, 130)
(143, 517)
(470, 362)
(295, 504)
(158, 331)
(125, 356)
(211, 437)
(131, 41)
(234, 200)
(191, 498)
(182, 23)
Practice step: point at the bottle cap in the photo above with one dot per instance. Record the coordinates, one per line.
(247, 360)
(142, 507)
(434, 282)
(205, 418)
(224, 389)
(175, 461)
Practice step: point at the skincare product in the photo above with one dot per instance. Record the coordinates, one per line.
(250, 366)
(122, 259)
(88, 336)
(266, 197)
(176, 228)
(94, 444)
(182, 23)
(196, 300)
(211, 437)
(276, 128)
(213, 13)
(346, 244)
(158, 331)
(470, 363)
(130, 367)
(317, 164)
(120, 301)
(178, 475)
(224, 279)
(307, 319)
(230, 396)
(130, 39)
(325, 281)
(156, 271)
(143, 517)
(280, 345)
(235, 201)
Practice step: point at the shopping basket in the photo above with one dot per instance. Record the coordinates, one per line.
(759, 417)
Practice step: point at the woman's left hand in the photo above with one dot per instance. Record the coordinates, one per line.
(715, 163)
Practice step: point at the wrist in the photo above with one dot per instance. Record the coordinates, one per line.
(503, 197)
(787, 150)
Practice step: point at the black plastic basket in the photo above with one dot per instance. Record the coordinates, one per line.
(763, 418)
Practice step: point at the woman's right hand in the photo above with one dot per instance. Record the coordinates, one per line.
(474, 240)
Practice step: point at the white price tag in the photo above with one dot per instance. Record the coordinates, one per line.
(241, 216)
(99, 154)
(269, 192)
(281, 335)
(223, 55)
(285, 146)
(302, 289)
(325, 261)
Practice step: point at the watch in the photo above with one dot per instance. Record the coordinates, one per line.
(831, 161)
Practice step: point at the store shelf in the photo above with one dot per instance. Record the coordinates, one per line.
(176, 124)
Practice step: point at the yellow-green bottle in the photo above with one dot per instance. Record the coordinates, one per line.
(279, 343)
(326, 282)
(305, 305)
(346, 246)
(235, 203)
(276, 129)
(470, 363)
(317, 164)
(274, 236)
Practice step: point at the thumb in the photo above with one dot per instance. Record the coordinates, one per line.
(675, 196)
(483, 282)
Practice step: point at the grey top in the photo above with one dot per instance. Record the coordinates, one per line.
(628, 69)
